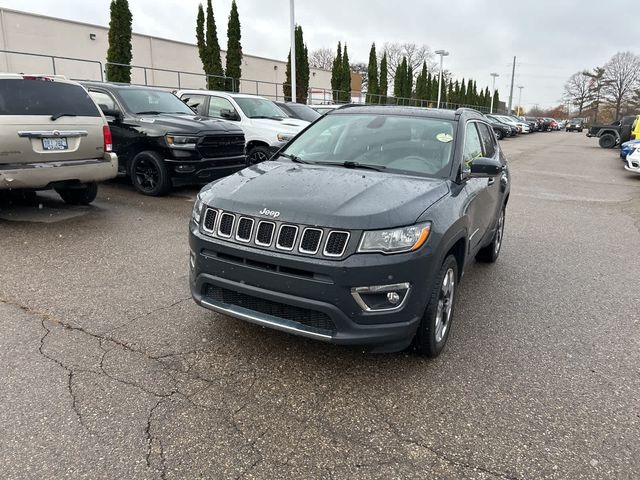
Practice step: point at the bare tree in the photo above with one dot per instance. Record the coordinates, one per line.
(621, 76)
(596, 84)
(322, 58)
(577, 90)
(416, 54)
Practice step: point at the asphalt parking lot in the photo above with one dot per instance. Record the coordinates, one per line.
(109, 370)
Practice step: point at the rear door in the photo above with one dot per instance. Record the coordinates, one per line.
(47, 120)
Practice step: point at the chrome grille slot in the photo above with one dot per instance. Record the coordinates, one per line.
(265, 233)
(245, 229)
(287, 237)
(310, 242)
(209, 223)
(225, 228)
(336, 243)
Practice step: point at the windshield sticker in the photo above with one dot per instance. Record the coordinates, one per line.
(444, 137)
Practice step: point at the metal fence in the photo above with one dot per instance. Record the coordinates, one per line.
(179, 79)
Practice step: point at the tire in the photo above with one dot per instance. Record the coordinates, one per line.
(607, 141)
(500, 135)
(258, 154)
(79, 195)
(490, 253)
(435, 325)
(149, 174)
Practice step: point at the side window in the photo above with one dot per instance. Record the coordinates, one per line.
(193, 101)
(488, 140)
(472, 145)
(217, 104)
(103, 100)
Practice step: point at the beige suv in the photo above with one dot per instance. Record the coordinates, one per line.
(53, 136)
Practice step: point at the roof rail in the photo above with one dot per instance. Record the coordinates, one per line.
(461, 110)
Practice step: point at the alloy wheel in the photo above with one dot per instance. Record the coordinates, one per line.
(147, 174)
(445, 305)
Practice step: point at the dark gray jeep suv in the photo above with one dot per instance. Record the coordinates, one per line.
(356, 232)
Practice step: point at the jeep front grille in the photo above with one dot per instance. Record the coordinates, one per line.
(274, 235)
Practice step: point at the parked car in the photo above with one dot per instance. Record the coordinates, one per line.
(358, 231)
(266, 127)
(161, 142)
(53, 136)
(574, 125)
(520, 126)
(627, 148)
(299, 111)
(633, 162)
(614, 134)
(501, 130)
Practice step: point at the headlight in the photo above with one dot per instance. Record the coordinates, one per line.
(196, 213)
(181, 141)
(285, 137)
(397, 240)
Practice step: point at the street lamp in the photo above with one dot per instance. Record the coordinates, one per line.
(519, 98)
(442, 53)
(493, 89)
(293, 53)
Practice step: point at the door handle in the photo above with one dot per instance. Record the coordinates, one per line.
(491, 181)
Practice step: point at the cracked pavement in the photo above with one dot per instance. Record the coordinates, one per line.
(109, 370)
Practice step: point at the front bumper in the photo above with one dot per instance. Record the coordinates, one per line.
(192, 172)
(39, 175)
(632, 165)
(313, 285)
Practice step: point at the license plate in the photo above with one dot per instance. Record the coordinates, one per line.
(55, 143)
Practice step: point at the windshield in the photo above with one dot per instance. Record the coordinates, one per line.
(147, 101)
(303, 112)
(397, 144)
(259, 108)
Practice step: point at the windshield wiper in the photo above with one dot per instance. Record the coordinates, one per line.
(291, 157)
(350, 164)
(56, 116)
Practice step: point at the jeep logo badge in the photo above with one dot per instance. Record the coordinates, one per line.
(270, 213)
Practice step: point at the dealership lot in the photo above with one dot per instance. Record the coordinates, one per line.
(109, 370)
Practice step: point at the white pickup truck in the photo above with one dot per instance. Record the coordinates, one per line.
(266, 127)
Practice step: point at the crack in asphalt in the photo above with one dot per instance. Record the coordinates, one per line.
(146, 314)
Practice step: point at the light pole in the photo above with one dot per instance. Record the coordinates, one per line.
(442, 53)
(493, 89)
(520, 99)
(293, 53)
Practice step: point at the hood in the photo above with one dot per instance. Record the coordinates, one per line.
(286, 125)
(327, 196)
(188, 124)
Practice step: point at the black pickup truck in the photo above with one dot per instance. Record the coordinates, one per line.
(358, 231)
(161, 142)
(614, 134)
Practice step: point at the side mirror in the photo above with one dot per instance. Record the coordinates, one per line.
(111, 112)
(229, 114)
(486, 167)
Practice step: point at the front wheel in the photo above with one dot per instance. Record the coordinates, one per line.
(435, 326)
(490, 253)
(607, 141)
(79, 194)
(149, 174)
(257, 155)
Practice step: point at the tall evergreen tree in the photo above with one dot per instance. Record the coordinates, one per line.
(345, 85)
(209, 48)
(336, 74)
(487, 98)
(450, 91)
(462, 94)
(233, 67)
(429, 90)
(384, 77)
(302, 70)
(400, 80)
(119, 42)
(496, 101)
(469, 97)
(421, 84)
(373, 88)
(408, 83)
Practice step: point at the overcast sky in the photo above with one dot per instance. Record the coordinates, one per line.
(551, 38)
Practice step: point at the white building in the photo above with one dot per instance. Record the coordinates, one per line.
(38, 34)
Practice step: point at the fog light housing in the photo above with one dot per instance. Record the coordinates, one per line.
(185, 169)
(381, 298)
